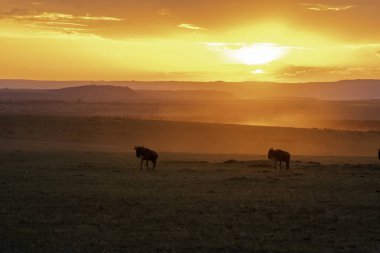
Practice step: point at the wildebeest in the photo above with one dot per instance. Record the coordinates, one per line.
(279, 155)
(147, 155)
(378, 155)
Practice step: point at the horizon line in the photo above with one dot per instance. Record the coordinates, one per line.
(179, 81)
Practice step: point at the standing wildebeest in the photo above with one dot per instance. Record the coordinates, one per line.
(279, 155)
(147, 155)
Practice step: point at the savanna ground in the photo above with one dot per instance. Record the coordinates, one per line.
(81, 201)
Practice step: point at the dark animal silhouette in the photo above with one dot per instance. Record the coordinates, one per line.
(378, 155)
(146, 155)
(279, 155)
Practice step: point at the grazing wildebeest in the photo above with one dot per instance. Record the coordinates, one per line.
(279, 155)
(147, 155)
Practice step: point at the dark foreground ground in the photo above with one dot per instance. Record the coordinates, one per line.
(102, 202)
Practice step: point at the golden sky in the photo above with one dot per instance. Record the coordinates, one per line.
(198, 40)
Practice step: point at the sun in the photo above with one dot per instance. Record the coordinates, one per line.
(258, 72)
(256, 54)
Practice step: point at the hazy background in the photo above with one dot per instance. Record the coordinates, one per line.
(242, 118)
(347, 105)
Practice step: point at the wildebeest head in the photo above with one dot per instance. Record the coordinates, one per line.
(270, 153)
(139, 151)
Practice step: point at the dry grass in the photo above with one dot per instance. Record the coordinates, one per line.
(101, 202)
(121, 134)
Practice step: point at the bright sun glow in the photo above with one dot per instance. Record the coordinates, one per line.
(258, 72)
(256, 54)
(245, 40)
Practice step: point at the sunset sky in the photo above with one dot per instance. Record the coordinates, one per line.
(198, 40)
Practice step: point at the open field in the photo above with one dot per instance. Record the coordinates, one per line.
(216, 96)
(301, 113)
(118, 134)
(101, 202)
(69, 184)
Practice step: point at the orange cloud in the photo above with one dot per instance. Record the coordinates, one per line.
(19, 14)
(191, 27)
(56, 21)
(325, 7)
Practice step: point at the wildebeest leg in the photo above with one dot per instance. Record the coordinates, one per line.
(287, 165)
(147, 165)
(275, 164)
(154, 164)
(141, 163)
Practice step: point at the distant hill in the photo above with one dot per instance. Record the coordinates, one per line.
(95, 93)
(341, 90)
(187, 95)
(107, 93)
(90, 93)
(212, 106)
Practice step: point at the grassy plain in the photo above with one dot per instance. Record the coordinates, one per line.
(301, 113)
(101, 202)
(120, 134)
(70, 184)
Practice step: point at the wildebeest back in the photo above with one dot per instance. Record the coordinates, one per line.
(279, 155)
